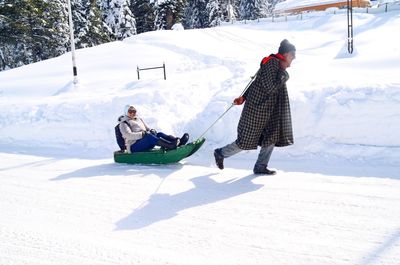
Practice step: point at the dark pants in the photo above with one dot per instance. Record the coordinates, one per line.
(149, 141)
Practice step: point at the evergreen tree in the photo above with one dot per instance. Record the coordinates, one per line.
(214, 13)
(144, 12)
(56, 15)
(89, 29)
(169, 12)
(119, 18)
(253, 9)
(272, 4)
(31, 30)
(224, 6)
(202, 14)
(195, 14)
(3, 64)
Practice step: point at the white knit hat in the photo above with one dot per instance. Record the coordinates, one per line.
(127, 108)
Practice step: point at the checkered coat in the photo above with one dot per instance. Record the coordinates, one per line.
(266, 119)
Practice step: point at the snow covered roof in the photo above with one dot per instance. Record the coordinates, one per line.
(303, 5)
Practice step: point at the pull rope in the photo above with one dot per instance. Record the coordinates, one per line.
(232, 104)
(216, 121)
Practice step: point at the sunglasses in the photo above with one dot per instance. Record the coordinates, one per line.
(132, 111)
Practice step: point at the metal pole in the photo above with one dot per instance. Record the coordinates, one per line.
(350, 26)
(71, 31)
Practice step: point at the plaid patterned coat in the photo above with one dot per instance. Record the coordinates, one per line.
(266, 118)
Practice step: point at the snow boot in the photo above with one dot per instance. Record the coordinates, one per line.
(219, 159)
(168, 145)
(184, 139)
(263, 170)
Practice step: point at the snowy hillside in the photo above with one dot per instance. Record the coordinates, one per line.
(336, 97)
(335, 198)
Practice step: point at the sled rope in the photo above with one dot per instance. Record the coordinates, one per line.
(232, 104)
(216, 121)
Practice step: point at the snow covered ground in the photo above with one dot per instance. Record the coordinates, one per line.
(335, 199)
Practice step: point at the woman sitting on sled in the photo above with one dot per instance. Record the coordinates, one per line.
(139, 137)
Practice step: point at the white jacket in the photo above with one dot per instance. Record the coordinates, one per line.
(135, 131)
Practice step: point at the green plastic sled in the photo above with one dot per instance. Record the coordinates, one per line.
(159, 156)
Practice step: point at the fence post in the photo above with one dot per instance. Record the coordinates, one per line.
(151, 68)
(165, 75)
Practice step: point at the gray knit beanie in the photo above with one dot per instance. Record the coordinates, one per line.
(286, 47)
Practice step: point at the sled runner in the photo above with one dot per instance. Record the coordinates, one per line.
(159, 156)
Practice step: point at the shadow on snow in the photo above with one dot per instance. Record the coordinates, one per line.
(165, 206)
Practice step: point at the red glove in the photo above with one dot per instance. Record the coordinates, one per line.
(239, 100)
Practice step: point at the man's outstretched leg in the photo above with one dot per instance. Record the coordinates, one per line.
(224, 152)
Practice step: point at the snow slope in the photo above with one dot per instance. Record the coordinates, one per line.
(335, 198)
(336, 97)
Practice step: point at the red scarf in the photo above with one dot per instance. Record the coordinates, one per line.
(278, 56)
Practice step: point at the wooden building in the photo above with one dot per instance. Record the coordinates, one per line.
(303, 6)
